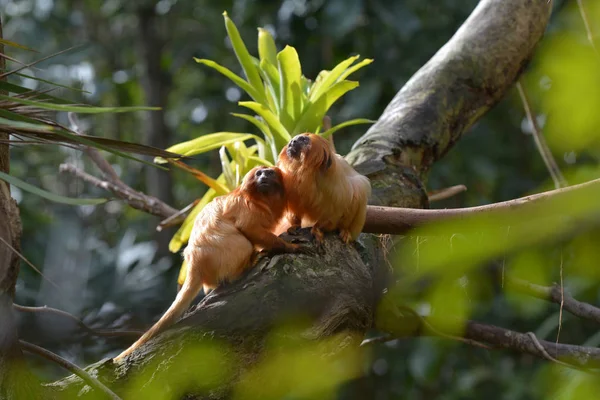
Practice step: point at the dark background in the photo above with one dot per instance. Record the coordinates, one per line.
(108, 265)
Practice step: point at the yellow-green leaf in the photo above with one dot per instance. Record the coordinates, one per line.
(206, 143)
(345, 124)
(270, 141)
(72, 108)
(323, 85)
(271, 77)
(226, 167)
(232, 76)
(266, 47)
(314, 113)
(48, 195)
(355, 68)
(290, 97)
(280, 133)
(244, 57)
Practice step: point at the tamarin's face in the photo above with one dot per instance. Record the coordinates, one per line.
(265, 180)
(299, 145)
(308, 149)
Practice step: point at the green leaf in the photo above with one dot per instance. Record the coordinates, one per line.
(11, 87)
(206, 143)
(77, 109)
(355, 68)
(226, 167)
(244, 57)
(345, 124)
(256, 161)
(17, 45)
(271, 77)
(314, 113)
(59, 134)
(47, 195)
(233, 77)
(35, 78)
(280, 134)
(267, 51)
(264, 129)
(328, 80)
(290, 98)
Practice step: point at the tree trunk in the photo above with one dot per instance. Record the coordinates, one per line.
(336, 291)
(156, 83)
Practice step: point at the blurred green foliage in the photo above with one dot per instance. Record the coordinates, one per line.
(109, 264)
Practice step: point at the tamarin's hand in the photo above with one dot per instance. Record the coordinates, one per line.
(322, 189)
(226, 234)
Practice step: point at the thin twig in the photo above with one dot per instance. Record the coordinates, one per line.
(562, 298)
(22, 257)
(540, 142)
(558, 296)
(50, 356)
(586, 24)
(442, 194)
(80, 323)
(178, 217)
(135, 199)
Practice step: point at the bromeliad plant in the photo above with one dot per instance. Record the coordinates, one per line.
(285, 103)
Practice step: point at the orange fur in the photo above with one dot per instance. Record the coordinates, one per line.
(226, 234)
(323, 190)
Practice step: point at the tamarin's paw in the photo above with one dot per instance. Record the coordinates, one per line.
(346, 236)
(318, 234)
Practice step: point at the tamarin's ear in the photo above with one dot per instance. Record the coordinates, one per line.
(326, 164)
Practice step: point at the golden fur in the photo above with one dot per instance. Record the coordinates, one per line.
(323, 190)
(225, 236)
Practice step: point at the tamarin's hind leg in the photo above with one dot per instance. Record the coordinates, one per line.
(345, 235)
(317, 233)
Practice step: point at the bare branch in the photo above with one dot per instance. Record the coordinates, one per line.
(48, 355)
(80, 323)
(578, 357)
(540, 142)
(135, 199)
(554, 294)
(442, 194)
(396, 220)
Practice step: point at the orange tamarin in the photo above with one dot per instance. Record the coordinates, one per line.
(225, 236)
(323, 190)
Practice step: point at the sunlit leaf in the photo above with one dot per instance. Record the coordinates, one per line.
(206, 143)
(354, 68)
(217, 186)
(244, 57)
(270, 141)
(327, 81)
(314, 113)
(76, 109)
(226, 168)
(280, 134)
(267, 50)
(290, 98)
(48, 195)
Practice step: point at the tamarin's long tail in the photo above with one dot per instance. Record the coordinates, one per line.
(190, 289)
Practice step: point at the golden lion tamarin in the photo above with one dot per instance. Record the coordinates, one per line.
(323, 190)
(225, 236)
